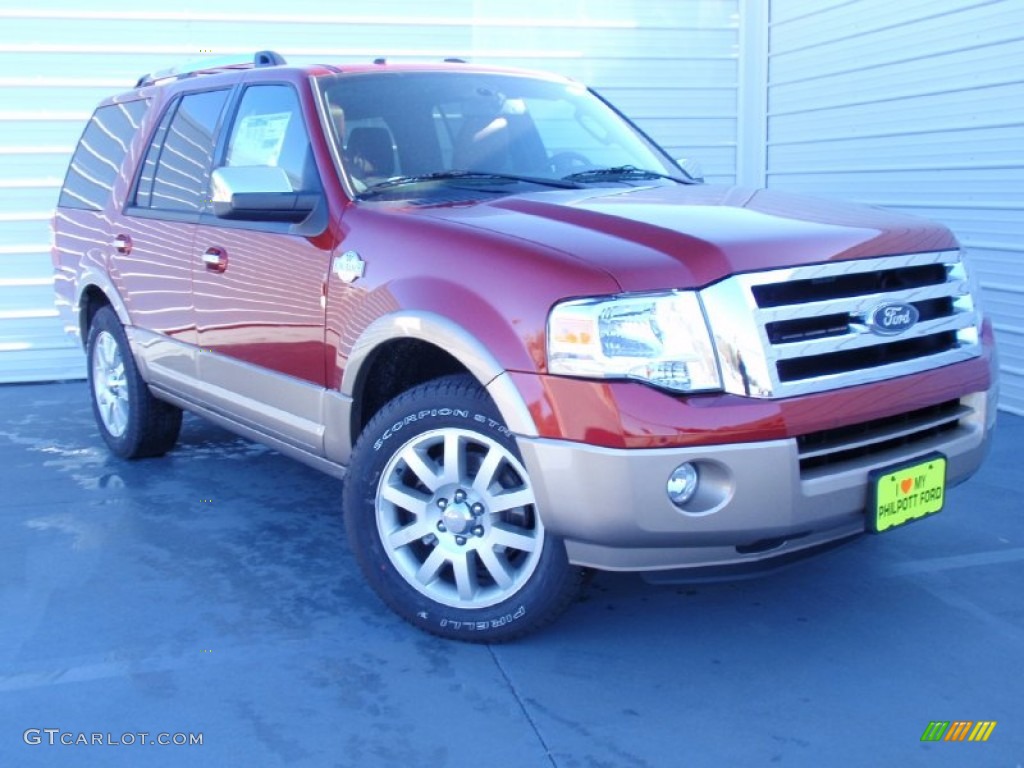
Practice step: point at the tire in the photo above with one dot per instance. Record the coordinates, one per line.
(133, 423)
(442, 519)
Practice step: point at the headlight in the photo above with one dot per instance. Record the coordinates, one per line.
(661, 339)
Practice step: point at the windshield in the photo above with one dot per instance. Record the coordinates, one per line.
(491, 132)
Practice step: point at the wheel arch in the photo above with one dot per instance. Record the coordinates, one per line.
(401, 350)
(95, 291)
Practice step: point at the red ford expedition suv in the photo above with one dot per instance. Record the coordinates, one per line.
(527, 339)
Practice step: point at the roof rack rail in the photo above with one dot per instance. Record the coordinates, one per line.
(210, 66)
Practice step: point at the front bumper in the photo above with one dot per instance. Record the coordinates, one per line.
(754, 503)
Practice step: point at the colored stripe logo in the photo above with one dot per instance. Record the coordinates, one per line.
(958, 730)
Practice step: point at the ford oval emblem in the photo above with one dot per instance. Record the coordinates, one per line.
(892, 319)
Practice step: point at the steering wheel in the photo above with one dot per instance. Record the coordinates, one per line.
(565, 163)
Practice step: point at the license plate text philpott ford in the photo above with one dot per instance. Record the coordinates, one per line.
(907, 493)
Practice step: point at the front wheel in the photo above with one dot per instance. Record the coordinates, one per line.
(443, 520)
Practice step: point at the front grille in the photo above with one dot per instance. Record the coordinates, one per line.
(831, 446)
(810, 329)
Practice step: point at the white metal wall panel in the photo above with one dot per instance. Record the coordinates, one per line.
(917, 105)
(671, 64)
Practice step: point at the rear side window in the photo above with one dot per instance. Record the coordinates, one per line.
(176, 172)
(98, 157)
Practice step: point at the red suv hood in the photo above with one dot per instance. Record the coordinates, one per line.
(655, 237)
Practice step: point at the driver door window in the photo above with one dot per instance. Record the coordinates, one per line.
(269, 130)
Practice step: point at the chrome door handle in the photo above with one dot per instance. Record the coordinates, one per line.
(215, 259)
(122, 244)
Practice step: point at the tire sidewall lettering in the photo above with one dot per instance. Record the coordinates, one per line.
(481, 625)
(453, 415)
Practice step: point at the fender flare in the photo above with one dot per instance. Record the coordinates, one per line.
(92, 277)
(456, 340)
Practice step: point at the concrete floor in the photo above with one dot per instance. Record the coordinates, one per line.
(211, 592)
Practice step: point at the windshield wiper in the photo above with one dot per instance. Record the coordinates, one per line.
(620, 172)
(399, 181)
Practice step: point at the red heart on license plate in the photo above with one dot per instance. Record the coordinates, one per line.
(905, 485)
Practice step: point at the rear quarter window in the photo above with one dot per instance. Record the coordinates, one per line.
(97, 160)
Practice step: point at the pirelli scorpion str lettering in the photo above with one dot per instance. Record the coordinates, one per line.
(457, 413)
(480, 626)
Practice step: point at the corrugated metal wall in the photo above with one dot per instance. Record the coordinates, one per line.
(671, 64)
(917, 105)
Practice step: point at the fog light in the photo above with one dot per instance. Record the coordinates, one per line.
(682, 484)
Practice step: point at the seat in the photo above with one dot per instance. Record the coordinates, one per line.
(370, 153)
(482, 145)
(500, 144)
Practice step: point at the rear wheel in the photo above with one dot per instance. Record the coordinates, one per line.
(133, 423)
(443, 519)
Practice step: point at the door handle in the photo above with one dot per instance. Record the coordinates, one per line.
(122, 244)
(215, 259)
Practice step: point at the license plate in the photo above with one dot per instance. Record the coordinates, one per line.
(906, 492)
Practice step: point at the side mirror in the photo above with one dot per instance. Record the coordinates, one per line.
(258, 193)
(691, 168)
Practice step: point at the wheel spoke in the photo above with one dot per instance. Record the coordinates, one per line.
(513, 539)
(116, 377)
(428, 571)
(510, 500)
(111, 355)
(488, 468)
(110, 384)
(423, 471)
(405, 498)
(454, 459)
(495, 567)
(120, 416)
(465, 579)
(408, 534)
(104, 352)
